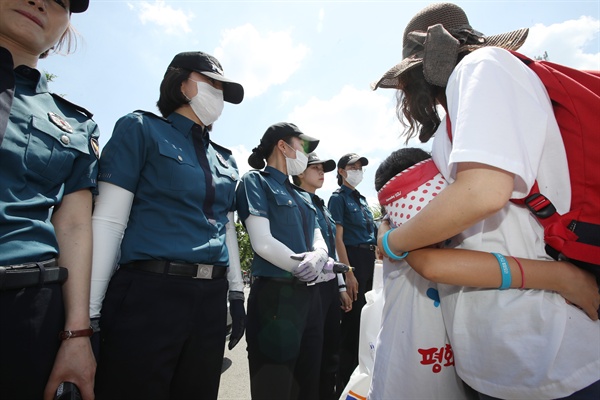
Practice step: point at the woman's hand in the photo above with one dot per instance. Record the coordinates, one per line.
(345, 302)
(351, 286)
(581, 289)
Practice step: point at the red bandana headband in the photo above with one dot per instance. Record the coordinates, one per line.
(409, 191)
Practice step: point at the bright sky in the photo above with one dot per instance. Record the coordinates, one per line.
(305, 62)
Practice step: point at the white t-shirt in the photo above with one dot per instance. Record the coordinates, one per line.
(512, 343)
(413, 358)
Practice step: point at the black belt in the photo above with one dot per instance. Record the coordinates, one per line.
(197, 271)
(287, 281)
(368, 246)
(20, 276)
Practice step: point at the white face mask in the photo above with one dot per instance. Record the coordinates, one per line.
(207, 104)
(354, 177)
(296, 166)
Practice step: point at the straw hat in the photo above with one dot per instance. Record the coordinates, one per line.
(434, 37)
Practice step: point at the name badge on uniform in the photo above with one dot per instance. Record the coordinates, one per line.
(61, 123)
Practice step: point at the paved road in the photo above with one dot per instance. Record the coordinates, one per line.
(235, 380)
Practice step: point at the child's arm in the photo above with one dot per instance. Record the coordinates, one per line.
(480, 269)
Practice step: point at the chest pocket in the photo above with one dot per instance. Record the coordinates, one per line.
(354, 213)
(179, 172)
(286, 211)
(51, 151)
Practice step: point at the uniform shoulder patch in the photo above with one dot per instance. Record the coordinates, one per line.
(95, 146)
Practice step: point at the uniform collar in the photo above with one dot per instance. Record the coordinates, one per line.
(31, 77)
(279, 176)
(346, 189)
(185, 125)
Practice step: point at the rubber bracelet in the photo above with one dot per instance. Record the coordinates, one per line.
(522, 273)
(388, 251)
(341, 286)
(504, 270)
(66, 335)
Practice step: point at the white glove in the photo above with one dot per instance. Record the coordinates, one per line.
(311, 265)
(326, 273)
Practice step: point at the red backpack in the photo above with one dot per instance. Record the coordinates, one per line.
(575, 97)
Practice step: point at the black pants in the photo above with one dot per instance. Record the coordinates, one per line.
(30, 319)
(363, 261)
(284, 335)
(162, 337)
(330, 356)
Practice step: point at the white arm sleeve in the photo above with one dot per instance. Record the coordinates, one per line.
(234, 272)
(266, 246)
(319, 241)
(111, 213)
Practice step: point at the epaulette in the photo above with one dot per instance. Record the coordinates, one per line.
(151, 114)
(339, 190)
(218, 146)
(75, 106)
(262, 172)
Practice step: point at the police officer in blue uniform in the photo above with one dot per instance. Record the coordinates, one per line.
(48, 168)
(333, 292)
(285, 331)
(165, 204)
(356, 240)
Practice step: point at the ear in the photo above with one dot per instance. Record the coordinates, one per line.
(281, 145)
(342, 172)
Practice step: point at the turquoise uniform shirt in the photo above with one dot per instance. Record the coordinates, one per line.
(49, 150)
(264, 194)
(154, 158)
(351, 210)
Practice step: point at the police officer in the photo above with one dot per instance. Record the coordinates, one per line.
(285, 330)
(163, 321)
(355, 243)
(333, 292)
(48, 169)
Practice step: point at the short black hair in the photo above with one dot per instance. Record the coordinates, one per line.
(171, 97)
(397, 162)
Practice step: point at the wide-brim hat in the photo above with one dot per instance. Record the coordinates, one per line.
(409, 191)
(328, 165)
(281, 130)
(208, 65)
(78, 6)
(351, 158)
(434, 37)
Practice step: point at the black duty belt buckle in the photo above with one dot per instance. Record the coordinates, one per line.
(204, 271)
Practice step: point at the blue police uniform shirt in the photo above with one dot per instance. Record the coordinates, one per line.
(351, 210)
(264, 194)
(49, 150)
(154, 158)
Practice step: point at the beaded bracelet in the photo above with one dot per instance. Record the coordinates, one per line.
(388, 251)
(505, 270)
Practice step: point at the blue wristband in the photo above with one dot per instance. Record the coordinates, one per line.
(388, 251)
(505, 270)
